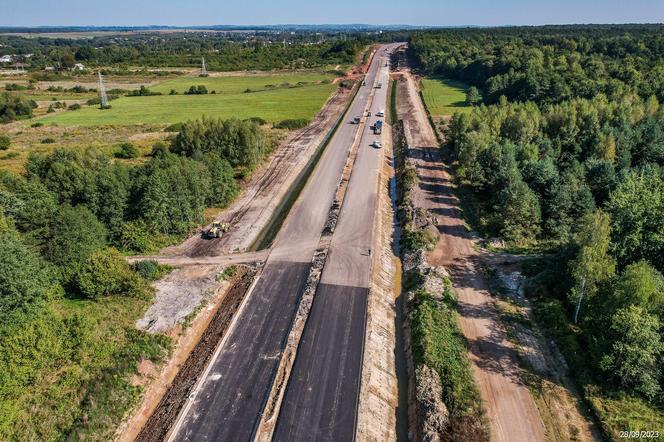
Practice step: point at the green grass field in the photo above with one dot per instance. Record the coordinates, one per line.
(271, 105)
(235, 84)
(443, 96)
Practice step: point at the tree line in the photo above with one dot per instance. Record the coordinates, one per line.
(221, 51)
(548, 64)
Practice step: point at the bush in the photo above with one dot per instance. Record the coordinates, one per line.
(74, 107)
(258, 120)
(142, 92)
(147, 269)
(15, 87)
(106, 273)
(5, 142)
(37, 124)
(13, 107)
(421, 239)
(137, 236)
(346, 84)
(175, 127)
(197, 90)
(127, 151)
(296, 123)
(48, 140)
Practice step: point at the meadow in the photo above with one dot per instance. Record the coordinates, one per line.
(238, 83)
(444, 96)
(273, 106)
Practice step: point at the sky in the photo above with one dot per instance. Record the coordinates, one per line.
(247, 12)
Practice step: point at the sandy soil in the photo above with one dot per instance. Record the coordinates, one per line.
(510, 408)
(379, 395)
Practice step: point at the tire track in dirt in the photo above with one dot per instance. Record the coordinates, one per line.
(511, 410)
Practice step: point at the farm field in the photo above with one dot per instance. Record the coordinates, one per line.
(443, 96)
(235, 84)
(271, 105)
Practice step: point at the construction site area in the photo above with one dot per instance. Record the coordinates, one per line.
(290, 313)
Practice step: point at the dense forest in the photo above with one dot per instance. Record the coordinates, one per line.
(566, 157)
(221, 51)
(64, 225)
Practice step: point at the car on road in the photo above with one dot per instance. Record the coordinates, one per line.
(380, 113)
(377, 144)
(356, 120)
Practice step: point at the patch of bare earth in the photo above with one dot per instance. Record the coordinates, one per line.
(547, 374)
(512, 413)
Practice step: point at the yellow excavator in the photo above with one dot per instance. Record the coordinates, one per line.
(216, 230)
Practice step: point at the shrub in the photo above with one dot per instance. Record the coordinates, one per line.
(142, 92)
(137, 236)
(37, 124)
(346, 84)
(5, 142)
(74, 107)
(175, 127)
(258, 120)
(127, 151)
(148, 269)
(48, 140)
(106, 273)
(15, 87)
(197, 90)
(295, 123)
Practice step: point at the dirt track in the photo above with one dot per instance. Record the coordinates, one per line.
(511, 410)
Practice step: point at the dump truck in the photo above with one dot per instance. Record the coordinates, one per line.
(378, 127)
(216, 230)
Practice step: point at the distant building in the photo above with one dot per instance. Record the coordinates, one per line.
(49, 68)
(6, 59)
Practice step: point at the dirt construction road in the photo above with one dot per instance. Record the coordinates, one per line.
(511, 410)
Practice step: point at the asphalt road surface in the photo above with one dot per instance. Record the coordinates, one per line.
(228, 403)
(320, 403)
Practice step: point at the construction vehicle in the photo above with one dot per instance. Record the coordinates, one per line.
(216, 230)
(378, 127)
